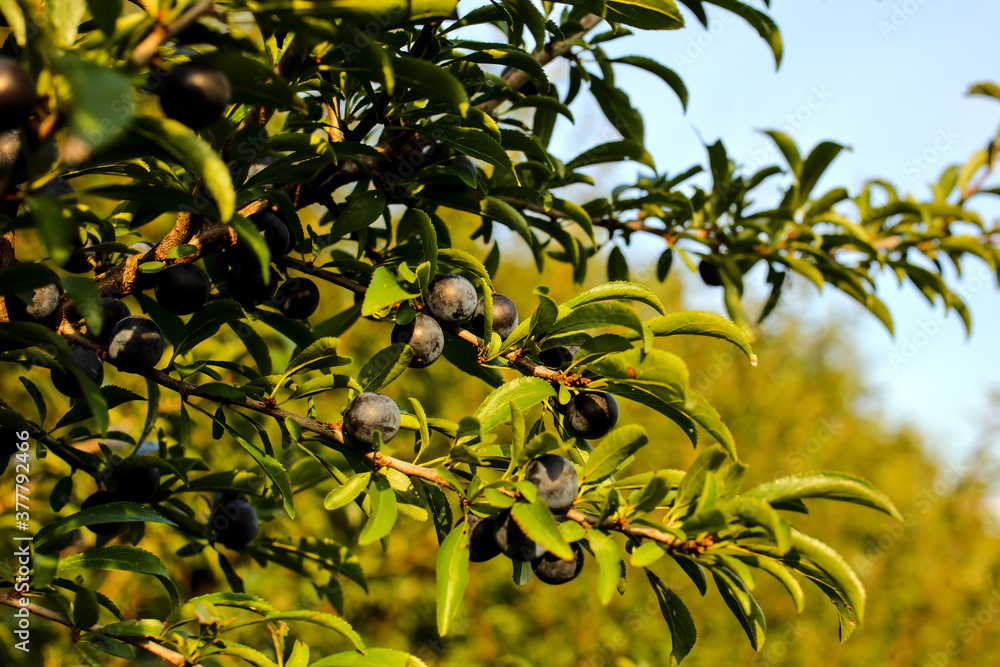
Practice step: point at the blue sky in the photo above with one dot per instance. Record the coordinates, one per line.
(886, 78)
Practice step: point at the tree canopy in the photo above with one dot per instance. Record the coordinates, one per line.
(213, 213)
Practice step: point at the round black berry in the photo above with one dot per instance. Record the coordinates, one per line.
(233, 523)
(558, 357)
(114, 312)
(136, 344)
(553, 570)
(482, 543)
(591, 414)
(80, 259)
(87, 361)
(17, 94)
(709, 273)
(556, 479)
(43, 305)
(297, 298)
(513, 542)
(97, 499)
(195, 94)
(276, 232)
(183, 289)
(245, 277)
(136, 484)
(424, 335)
(504, 317)
(451, 298)
(370, 412)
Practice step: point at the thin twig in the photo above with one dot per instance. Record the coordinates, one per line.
(144, 643)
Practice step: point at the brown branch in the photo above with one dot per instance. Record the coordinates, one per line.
(144, 643)
(516, 78)
(147, 48)
(332, 432)
(329, 276)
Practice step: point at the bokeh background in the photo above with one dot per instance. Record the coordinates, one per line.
(916, 415)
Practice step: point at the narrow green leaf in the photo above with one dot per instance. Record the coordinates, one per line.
(452, 575)
(383, 511)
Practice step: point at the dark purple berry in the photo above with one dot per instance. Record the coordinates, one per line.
(451, 299)
(370, 412)
(297, 298)
(591, 414)
(482, 544)
(17, 94)
(233, 523)
(709, 273)
(195, 94)
(424, 335)
(136, 344)
(513, 542)
(183, 289)
(97, 499)
(504, 317)
(87, 361)
(551, 569)
(556, 479)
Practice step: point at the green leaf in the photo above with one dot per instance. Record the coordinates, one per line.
(328, 621)
(739, 600)
(97, 405)
(342, 495)
(609, 563)
(452, 575)
(102, 100)
(434, 81)
(814, 167)
(383, 511)
(759, 21)
(524, 392)
(26, 276)
(614, 450)
(670, 77)
(504, 213)
(830, 485)
(618, 109)
(831, 573)
(617, 291)
(699, 323)
(647, 554)
(85, 609)
(360, 212)
(387, 365)
(105, 13)
(789, 150)
(321, 352)
(782, 574)
(614, 151)
(187, 148)
(476, 144)
(146, 627)
(645, 14)
(536, 521)
(683, 634)
(986, 89)
(375, 657)
(382, 292)
(121, 558)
